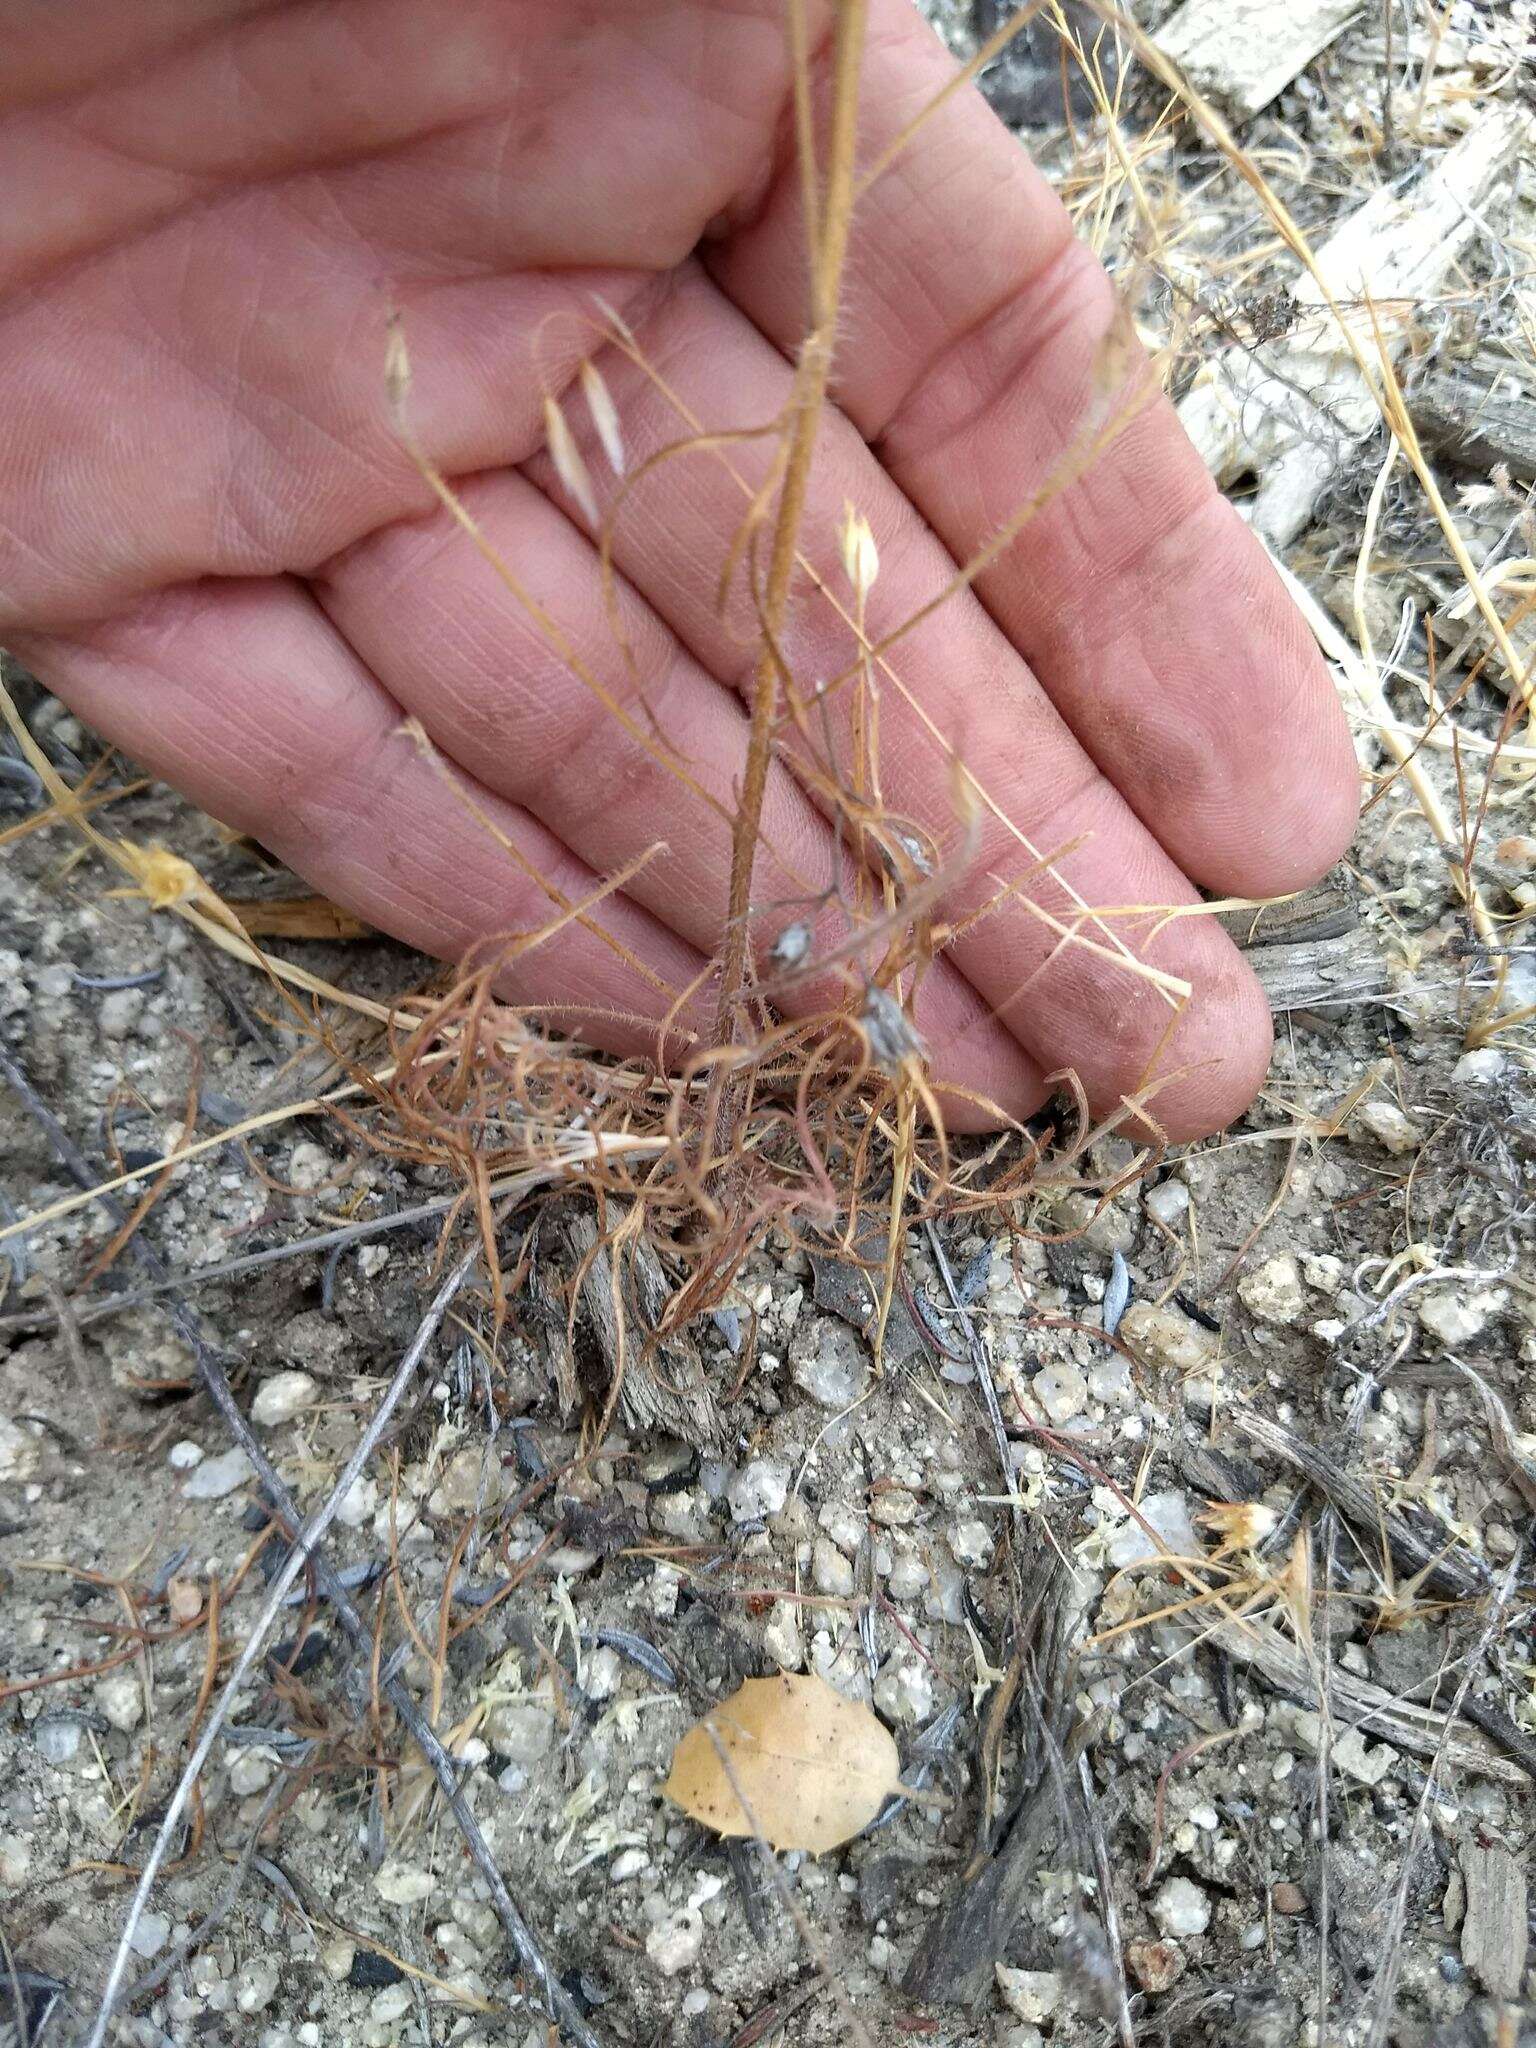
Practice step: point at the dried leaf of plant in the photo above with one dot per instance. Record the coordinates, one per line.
(790, 1754)
(297, 917)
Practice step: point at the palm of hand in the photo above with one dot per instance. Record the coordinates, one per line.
(220, 554)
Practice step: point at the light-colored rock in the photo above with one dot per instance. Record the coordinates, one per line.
(521, 1730)
(1168, 1203)
(57, 1737)
(184, 1454)
(830, 1363)
(310, 1166)
(19, 1452)
(1168, 1514)
(893, 1507)
(1479, 1069)
(831, 1572)
(1392, 1128)
(904, 1693)
(121, 1699)
(1166, 1340)
(1061, 1391)
(1029, 1994)
(281, 1396)
(1458, 1315)
(252, 1771)
(216, 1477)
(971, 1541)
(674, 1946)
(471, 1481)
(399, 1884)
(150, 1935)
(782, 1638)
(256, 1984)
(1273, 1292)
(390, 2004)
(758, 1490)
(627, 1864)
(1181, 1908)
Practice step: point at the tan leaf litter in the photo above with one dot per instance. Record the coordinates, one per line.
(812, 1768)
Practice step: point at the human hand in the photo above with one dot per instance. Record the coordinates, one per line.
(218, 552)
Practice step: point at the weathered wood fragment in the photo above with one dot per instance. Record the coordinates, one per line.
(1494, 1934)
(1479, 411)
(1241, 53)
(1292, 413)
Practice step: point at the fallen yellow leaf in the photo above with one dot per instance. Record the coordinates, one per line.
(787, 1758)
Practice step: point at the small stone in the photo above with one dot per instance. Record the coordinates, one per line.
(1288, 1898)
(150, 1935)
(256, 1984)
(1457, 1317)
(782, 1638)
(1061, 1391)
(1165, 1339)
(627, 1864)
(893, 1507)
(905, 1694)
(281, 1396)
(829, 1363)
(1168, 1203)
(1156, 1965)
(971, 1542)
(57, 1737)
(216, 1477)
(831, 1572)
(759, 1490)
(1393, 1130)
(399, 1885)
(121, 1699)
(523, 1731)
(310, 1166)
(470, 1482)
(1110, 1380)
(183, 1455)
(119, 1011)
(1029, 1994)
(1322, 1271)
(1479, 1069)
(604, 1674)
(391, 2004)
(252, 1771)
(1168, 1514)
(1273, 1292)
(1181, 1908)
(674, 1946)
(477, 1921)
(19, 1453)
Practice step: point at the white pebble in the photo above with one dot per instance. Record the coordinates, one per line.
(675, 1945)
(1272, 1292)
(184, 1454)
(1181, 1908)
(216, 1477)
(121, 1699)
(759, 1490)
(280, 1397)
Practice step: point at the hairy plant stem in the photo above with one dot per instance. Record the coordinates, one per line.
(829, 249)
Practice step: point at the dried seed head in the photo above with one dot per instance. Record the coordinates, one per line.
(791, 947)
(893, 1038)
(861, 558)
(1241, 1524)
(605, 416)
(569, 467)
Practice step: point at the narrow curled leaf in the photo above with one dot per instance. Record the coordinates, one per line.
(566, 456)
(605, 418)
(788, 1758)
